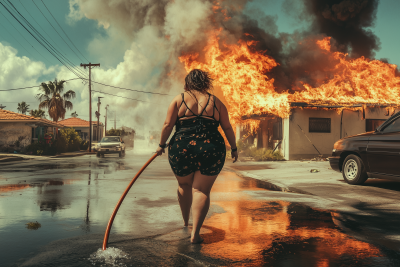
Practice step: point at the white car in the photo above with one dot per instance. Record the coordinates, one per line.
(111, 145)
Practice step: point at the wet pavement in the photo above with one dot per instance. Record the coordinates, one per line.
(247, 225)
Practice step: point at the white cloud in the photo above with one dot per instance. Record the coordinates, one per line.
(18, 72)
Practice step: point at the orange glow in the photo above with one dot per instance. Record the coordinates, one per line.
(243, 77)
(357, 81)
(249, 230)
(255, 232)
(240, 75)
(13, 187)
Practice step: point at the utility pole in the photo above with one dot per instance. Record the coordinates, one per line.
(105, 126)
(90, 66)
(115, 120)
(98, 117)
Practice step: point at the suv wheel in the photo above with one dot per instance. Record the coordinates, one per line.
(354, 170)
(120, 154)
(98, 154)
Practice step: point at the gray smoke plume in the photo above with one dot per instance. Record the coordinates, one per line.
(162, 30)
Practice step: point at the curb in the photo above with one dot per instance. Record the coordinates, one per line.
(72, 155)
(12, 158)
(268, 184)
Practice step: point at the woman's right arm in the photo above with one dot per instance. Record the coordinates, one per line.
(228, 130)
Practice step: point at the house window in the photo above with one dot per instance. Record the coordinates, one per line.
(319, 125)
(372, 124)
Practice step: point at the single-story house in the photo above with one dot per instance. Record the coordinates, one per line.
(311, 130)
(82, 127)
(15, 126)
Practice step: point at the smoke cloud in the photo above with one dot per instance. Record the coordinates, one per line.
(161, 30)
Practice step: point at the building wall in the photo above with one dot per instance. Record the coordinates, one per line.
(10, 131)
(352, 124)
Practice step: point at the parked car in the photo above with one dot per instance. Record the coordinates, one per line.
(111, 145)
(369, 155)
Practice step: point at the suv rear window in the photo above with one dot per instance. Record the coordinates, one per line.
(394, 126)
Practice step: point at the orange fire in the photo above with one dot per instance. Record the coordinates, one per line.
(357, 81)
(242, 76)
(239, 73)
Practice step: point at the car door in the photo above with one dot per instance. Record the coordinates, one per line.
(383, 151)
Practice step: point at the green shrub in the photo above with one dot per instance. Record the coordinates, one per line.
(261, 154)
(68, 140)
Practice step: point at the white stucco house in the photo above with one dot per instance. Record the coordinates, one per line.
(311, 130)
(15, 126)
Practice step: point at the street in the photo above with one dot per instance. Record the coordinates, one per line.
(247, 225)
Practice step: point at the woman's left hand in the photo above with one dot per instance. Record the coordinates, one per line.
(160, 151)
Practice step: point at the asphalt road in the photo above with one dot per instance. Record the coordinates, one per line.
(247, 225)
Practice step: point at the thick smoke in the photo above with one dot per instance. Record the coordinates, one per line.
(162, 30)
(346, 21)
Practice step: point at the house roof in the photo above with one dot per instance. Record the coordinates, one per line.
(9, 116)
(77, 122)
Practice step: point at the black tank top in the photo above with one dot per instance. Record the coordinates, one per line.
(197, 123)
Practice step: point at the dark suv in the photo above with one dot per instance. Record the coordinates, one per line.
(369, 155)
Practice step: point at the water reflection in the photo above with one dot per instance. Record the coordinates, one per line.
(277, 233)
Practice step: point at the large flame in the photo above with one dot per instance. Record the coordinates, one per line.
(242, 75)
(357, 81)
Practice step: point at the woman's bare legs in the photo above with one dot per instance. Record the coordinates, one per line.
(185, 195)
(202, 185)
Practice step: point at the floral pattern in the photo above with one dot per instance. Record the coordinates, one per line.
(195, 148)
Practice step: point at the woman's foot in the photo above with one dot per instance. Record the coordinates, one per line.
(196, 240)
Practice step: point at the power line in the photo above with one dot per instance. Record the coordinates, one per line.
(34, 86)
(24, 38)
(55, 29)
(41, 43)
(63, 31)
(139, 91)
(29, 25)
(47, 42)
(123, 97)
(18, 41)
(48, 35)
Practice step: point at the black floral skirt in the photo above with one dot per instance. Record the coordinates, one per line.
(189, 152)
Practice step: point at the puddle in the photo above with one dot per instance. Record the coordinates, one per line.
(73, 211)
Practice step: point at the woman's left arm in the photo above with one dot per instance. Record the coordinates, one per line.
(169, 123)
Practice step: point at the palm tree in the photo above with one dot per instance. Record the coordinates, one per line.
(74, 114)
(23, 107)
(38, 113)
(52, 99)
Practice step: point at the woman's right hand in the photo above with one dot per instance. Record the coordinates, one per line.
(235, 156)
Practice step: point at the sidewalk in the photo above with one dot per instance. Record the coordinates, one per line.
(288, 176)
(7, 157)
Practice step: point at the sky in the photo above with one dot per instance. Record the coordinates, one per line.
(131, 48)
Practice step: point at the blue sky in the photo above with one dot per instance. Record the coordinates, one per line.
(114, 49)
(83, 31)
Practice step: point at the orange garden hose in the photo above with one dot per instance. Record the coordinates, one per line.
(110, 222)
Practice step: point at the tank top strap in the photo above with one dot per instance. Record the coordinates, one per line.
(208, 101)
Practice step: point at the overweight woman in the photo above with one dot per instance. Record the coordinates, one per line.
(196, 151)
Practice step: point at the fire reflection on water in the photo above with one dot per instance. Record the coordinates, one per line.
(267, 232)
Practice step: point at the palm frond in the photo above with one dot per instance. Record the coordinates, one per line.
(69, 94)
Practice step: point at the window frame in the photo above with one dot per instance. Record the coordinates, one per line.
(390, 123)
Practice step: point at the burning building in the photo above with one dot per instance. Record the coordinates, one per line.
(321, 89)
(302, 90)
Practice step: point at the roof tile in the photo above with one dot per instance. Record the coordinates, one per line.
(77, 122)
